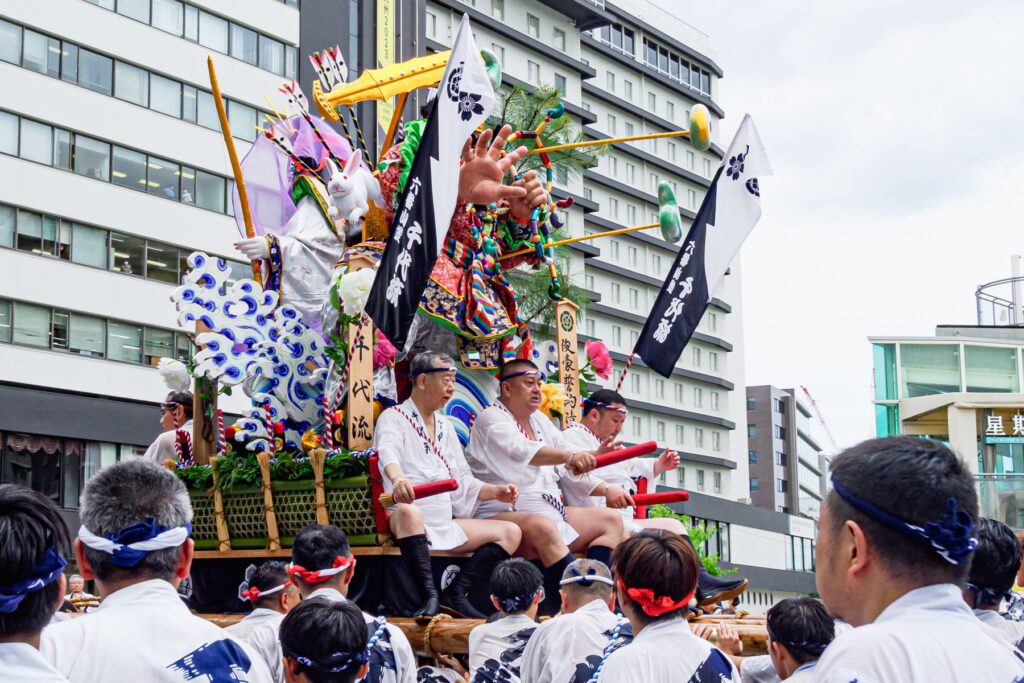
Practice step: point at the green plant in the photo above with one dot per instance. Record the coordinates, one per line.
(699, 533)
(196, 477)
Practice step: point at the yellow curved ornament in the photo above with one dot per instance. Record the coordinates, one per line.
(381, 84)
(700, 127)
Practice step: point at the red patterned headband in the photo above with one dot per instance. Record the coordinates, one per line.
(654, 605)
(339, 565)
(253, 593)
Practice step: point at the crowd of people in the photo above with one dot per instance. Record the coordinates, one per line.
(914, 585)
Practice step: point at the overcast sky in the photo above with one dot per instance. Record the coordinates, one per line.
(895, 133)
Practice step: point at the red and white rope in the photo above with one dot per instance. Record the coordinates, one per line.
(222, 442)
(622, 377)
(423, 435)
(348, 365)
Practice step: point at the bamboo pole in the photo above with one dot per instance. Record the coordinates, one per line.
(223, 538)
(317, 456)
(236, 168)
(570, 240)
(610, 141)
(273, 537)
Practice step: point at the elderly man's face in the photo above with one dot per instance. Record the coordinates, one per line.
(77, 585)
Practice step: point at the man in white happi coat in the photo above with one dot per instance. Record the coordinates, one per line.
(136, 519)
(271, 594)
(569, 647)
(656, 578)
(604, 413)
(323, 566)
(511, 441)
(993, 571)
(894, 544)
(417, 444)
(31, 580)
(175, 421)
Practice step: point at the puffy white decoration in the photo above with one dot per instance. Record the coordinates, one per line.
(271, 353)
(175, 374)
(354, 289)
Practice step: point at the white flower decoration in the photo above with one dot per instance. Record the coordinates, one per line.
(175, 374)
(354, 289)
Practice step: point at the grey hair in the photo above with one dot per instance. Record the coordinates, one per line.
(580, 594)
(75, 576)
(430, 359)
(127, 493)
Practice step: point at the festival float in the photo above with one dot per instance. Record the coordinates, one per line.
(347, 284)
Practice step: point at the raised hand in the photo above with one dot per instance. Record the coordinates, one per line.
(608, 444)
(483, 168)
(522, 207)
(614, 497)
(668, 460)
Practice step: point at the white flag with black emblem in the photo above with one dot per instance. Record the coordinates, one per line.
(424, 210)
(731, 208)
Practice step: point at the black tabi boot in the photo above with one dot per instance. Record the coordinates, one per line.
(552, 601)
(416, 556)
(711, 589)
(601, 553)
(474, 574)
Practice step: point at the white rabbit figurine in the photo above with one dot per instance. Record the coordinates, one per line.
(350, 188)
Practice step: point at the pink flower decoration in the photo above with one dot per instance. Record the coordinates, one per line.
(600, 359)
(383, 351)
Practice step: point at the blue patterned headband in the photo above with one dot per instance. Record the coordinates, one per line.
(518, 603)
(812, 648)
(337, 662)
(45, 573)
(951, 536)
(128, 546)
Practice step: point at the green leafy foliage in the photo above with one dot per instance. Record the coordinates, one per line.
(196, 478)
(241, 470)
(698, 535)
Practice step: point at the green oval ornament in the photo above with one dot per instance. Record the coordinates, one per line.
(493, 68)
(671, 223)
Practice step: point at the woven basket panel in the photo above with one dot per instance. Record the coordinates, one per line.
(243, 511)
(350, 510)
(295, 510)
(204, 524)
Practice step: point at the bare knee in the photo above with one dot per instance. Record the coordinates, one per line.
(509, 536)
(406, 520)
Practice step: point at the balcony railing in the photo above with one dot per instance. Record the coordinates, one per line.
(1001, 496)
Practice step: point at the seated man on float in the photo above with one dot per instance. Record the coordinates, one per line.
(322, 567)
(417, 444)
(894, 546)
(569, 648)
(656, 579)
(512, 441)
(271, 594)
(604, 413)
(134, 541)
(31, 580)
(993, 571)
(324, 642)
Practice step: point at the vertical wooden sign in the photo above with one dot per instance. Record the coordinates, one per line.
(359, 414)
(568, 361)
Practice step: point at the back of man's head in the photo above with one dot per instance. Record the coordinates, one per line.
(318, 547)
(325, 640)
(910, 480)
(601, 398)
(514, 584)
(137, 494)
(996, 562)
(803, 625)
(584, 581)
(269, 576)
(33, 540)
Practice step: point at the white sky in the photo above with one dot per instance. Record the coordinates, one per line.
(895, 133)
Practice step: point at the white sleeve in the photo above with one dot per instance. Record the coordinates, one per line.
(387, 437)
(643, 467)
(464, 498)
(264, 641)
(404, 657)
(497, 449)
(576, 486)
(161, 449)
(758, 669)
(533, 657)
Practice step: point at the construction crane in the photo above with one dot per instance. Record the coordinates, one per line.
(821, 419)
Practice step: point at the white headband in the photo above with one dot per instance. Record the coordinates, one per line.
(129, 554)
(589, 578)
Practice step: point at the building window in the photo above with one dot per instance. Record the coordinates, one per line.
(751, 403)
(778, 406)
(610, 81)
(780, 432)
(533, 26)
(752, 457)
(559, 39)
(751, 431)
(700, 480)
(782, 486)
(680, 434)
(634, 299)
(631, 214)
(560, 83)
(716, 478)
(659, 388)
(698, 437)
(613, 248)
(670, 110)
(691, 198)
(588, 193)
(707, 168)
(616, 293)
(631, 178)
(591, 328)
(682, 476)
(498, 9)
(636, 427)
(432, 26)
(533, 69)
(660, 430)
(696, 356)
(627, 89)
(679, 393)
(611, 123)
(617, 337)
(613, 167)
(716, 441)
(712, 321)
(780, 458)
(753, 483)
(714, 400)
(698, 397)
(499, 52)
(633, 336)
(636, 384)
(652, 102)
(713, 360)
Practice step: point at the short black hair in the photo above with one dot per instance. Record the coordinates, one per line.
(997, 557)
(514, 582)
(185, 399)
(325, 633)
(270, 574)
(515, 365)
(803, 625)
(317, 545)
(911, 478)
(606, 396)
(30, 525)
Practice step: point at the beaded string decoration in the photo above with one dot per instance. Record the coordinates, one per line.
(577, 425)
(422, 432)
(608, 649)
(546, 497)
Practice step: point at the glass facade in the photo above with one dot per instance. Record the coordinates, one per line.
(885, 371)
(929, 369)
